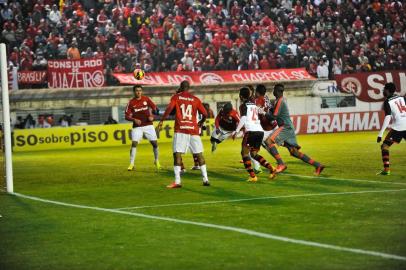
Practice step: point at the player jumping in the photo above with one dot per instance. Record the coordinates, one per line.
(253, 135)
(395, 110)
(285, 135)
(186, 130)
(225, 123)
(139, 111)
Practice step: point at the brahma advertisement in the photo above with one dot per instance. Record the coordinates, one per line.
(368, 86)
(83, 73)
(216, 77)
(120, 134)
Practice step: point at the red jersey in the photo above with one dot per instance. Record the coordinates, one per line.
(140, 109)
(227, 121)
(186, 106)
(264, 103)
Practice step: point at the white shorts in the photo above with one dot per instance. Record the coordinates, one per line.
(221, 134)
(147, 131)
(267, 133)
(182, 142)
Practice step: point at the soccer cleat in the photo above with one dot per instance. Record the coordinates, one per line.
(213, 147)
(383, 172)
(318, 170)
(280, 168)
(131, 167)
(272, 175)
(174, 185)
(206, 183)
(258, 171)
(195, 168)
(157, 165)
(252, 179)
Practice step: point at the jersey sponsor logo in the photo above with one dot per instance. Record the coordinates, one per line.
(141, 109)
(186, 127)
(186, 98)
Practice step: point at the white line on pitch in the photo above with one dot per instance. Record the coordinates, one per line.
(263, 198)
(225, 228)
(344, 179)
(337, 179)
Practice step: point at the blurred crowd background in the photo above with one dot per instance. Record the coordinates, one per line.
(325, 37)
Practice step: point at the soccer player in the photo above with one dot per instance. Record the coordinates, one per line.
(225, 123)
(186, 130)
(395, 110)
(139, 111)
(264, 105)
(254, 133)
(285, 135)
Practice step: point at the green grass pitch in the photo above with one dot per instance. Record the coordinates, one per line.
(362, 215)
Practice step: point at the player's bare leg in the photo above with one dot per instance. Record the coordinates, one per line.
(155, 149)
(196, 165)
(385, 159)
(203, 168)
(133, 152)
(305, 158)
(261, 160)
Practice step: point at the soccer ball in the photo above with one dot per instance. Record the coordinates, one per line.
(139, 74)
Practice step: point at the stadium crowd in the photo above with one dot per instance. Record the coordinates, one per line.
(326, 37)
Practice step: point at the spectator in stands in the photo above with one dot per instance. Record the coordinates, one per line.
(322, 70)
(73, 51)
(227, 31)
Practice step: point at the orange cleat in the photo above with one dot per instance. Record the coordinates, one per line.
(318, 170)
(280, 168)
(174, 185)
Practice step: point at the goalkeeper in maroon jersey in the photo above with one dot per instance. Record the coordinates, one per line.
(226, 122)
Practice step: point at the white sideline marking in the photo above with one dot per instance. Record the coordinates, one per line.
(262, 198)
(332, 178)
(222, 227)
(345, 179)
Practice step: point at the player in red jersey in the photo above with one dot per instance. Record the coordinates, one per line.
(139, 111)
(225, 123)
(186, 130)
(264, 104)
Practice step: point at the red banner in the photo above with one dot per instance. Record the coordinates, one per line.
(32, 77)
(216, 77)
(81, 73)
(337, 122)
(368, 86)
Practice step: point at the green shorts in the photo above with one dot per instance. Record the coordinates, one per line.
(284, 136)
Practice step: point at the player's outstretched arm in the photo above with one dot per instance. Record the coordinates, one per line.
(385, 124)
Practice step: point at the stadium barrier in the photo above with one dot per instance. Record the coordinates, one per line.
(120, 134)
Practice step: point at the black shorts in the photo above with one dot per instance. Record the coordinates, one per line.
(253, 139)
(394, 136)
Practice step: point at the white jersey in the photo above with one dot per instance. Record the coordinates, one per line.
(249, 117)
(396, 107)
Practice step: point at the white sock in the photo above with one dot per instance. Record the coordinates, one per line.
(176, 170)
(156, 153)
(133, 152)
(256, 164)
(204, 173)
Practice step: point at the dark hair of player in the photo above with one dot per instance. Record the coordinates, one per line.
(261, 89)
(245, 93)
(227, 107)
(279, 88)
(137, 86)
(391, 87)
(184, 86)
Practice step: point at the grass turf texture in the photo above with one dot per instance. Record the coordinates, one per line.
(36, 235)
